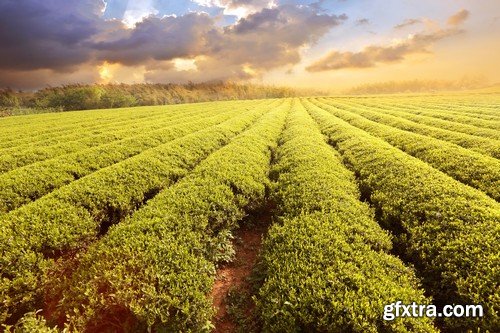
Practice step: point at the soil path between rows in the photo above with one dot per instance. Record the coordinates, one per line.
(234, 275)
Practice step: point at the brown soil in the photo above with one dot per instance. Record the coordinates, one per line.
(234, 275)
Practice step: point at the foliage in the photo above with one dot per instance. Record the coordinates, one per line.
(326, 266)
(159, 264)
(100, 96)
(466, 166)
(31, 322)
(8, 98)
(437, 118)
(449, 230)
(482, 145)
(23, 185)
(78, 212)
(116, 219)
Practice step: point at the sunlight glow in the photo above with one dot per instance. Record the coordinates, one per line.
(182, 64)
(249, 70)
(105, 72)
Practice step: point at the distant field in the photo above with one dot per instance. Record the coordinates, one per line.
(120, 219)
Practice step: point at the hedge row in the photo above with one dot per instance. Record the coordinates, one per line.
(75, 214)
(34, 128)
(469, 167)
(455, 108)
(156, 269)
(19, 156)
(24, 185)
(455, 123)
(90, 126)
(449, 230)
(326, 264)
(482, 145)
(47, 127)
(479, 106)
(483, 111)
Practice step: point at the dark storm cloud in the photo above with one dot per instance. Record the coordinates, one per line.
(35, 79)
(267, 18)
(47, 34)
(68, 35)
(273, 37)
(292, 22)
(264, 40)
(267, 39)
(158, 39)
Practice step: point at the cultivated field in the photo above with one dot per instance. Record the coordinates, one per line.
(124, 220)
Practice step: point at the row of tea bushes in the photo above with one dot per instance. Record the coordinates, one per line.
(326, 264)
(156, 269)
(466, 166)
(449, 230)
(72, 216)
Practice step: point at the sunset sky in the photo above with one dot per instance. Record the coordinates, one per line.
(330, 44)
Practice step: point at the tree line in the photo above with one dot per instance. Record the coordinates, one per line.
(101, 96)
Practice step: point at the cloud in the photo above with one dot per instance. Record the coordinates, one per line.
(137, 10)
(238, 8)
(274, 37)
(63, 36)
(268, 39)
(35, 79)
(363, 21)
(47, 34)
(157, 38)
(459, 17)
(407, 23)
(372, 55)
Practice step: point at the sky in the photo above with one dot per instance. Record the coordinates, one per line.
(325, 44)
